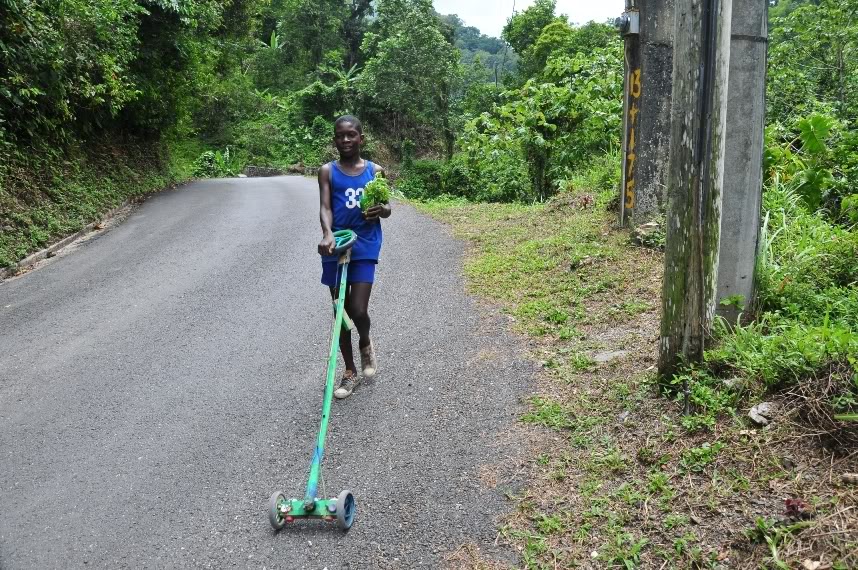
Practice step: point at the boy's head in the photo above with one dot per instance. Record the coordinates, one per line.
(348, 136)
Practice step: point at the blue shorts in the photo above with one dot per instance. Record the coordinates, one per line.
(361, 271)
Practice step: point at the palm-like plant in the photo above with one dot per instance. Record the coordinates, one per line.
(275, 42)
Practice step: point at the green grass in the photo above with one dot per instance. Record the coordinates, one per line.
(182, 155)
(627, 480)
(519, 248)
(46, 195)
(550, 414)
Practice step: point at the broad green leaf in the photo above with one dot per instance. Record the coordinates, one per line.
(814, 132)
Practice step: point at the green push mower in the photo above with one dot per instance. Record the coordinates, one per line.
(342, 509)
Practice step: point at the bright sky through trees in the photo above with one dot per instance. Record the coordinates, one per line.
(491, 15)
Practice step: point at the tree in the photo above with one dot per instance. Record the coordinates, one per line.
(354, 28)
(556, 38)
(410, 70)
(549, 128)
(813, 60)
(782, 8)
(523, 29)
(312, 31)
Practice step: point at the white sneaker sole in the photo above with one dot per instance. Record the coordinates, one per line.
(342, 393)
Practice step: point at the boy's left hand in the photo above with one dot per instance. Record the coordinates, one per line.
(376, 212)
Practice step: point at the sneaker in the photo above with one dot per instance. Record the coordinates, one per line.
(347, 385)
(367, 360)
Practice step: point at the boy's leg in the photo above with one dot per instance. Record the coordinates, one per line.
(359, 311)
(358, 307)
(346, 335)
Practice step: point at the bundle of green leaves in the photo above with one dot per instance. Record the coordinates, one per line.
(375, 193)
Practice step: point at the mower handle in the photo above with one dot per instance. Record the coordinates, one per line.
(344, 240)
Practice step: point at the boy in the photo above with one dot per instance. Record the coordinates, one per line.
(341, 185)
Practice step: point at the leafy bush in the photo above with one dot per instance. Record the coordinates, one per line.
(73, 67)
(276, 139)
(66, 62)
(217, 164)
(545, 132)
(494, 158)
(808, 299)
(849, 209)
(808, 270)
(429, 179)
(817, 159)
(601, 177)
(423, 179)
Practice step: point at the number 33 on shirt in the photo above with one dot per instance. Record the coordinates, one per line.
(353, 197)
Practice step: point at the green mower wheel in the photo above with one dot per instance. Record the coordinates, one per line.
(274, 516)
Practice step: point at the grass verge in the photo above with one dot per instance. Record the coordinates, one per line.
(46, 194)
(619, 476)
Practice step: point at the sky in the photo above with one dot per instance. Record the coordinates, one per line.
(491, 15)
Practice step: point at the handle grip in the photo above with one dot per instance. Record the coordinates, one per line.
(344, 240)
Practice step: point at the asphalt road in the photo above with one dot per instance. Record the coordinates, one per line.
(160, 381)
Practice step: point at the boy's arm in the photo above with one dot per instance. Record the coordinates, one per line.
(382, 210)
(326, 215)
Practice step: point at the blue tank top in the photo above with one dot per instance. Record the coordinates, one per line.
(346, 192)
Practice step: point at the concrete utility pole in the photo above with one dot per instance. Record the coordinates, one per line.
(649, 65)
(695, 176)
(657, 68)
(743, 180)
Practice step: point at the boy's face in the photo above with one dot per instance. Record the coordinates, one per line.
(348, 140)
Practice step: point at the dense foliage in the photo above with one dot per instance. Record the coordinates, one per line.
(559, 113)
(73, 67)
(813, 100)
(807, 306)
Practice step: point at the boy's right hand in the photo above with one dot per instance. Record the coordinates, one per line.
(326, 246)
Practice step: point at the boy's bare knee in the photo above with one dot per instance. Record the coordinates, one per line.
(358, 314)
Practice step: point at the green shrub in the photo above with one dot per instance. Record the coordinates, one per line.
(274, 138)
(808, 269)
(424, 179)
(429, 179)
(456, 178)
(778, 351)
(849, 209)
(217, 164)
(816, 158)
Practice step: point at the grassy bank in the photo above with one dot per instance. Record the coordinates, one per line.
(46, 194)
(619, 475)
